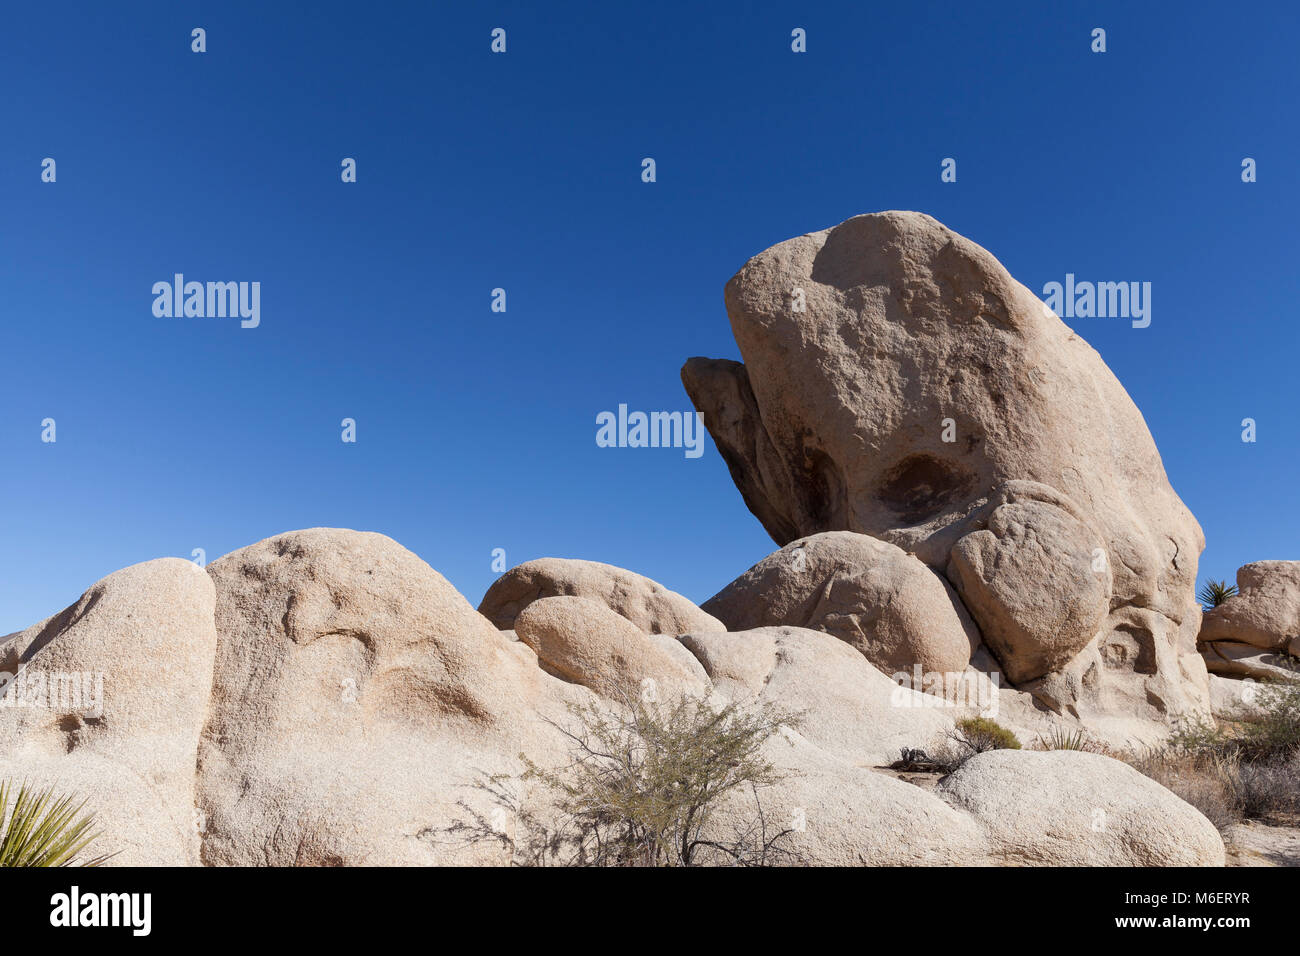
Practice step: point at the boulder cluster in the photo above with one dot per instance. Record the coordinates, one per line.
(1255, 634)
(970, 515)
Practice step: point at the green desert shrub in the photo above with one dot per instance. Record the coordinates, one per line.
(981, 734)
(42, 828)
(1064, 739)
(1273, 733)
(971, 736)
(1270, 733)
(677, 783)
(1071, 739)
(1214, 593)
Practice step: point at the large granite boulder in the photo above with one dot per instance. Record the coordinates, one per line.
(105, 701)
(358, 701)
(1070, 808)
(898, 382)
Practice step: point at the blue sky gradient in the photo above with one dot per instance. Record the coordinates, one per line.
(475, 171)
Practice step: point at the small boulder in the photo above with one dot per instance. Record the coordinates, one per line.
(870, 594)
(1036, 578)
(586, 643)
(1234, 699)
(646, 603)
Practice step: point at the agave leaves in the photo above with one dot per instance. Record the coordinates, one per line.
(44, 829)
(1214, 593)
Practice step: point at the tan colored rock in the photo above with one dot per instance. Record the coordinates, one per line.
(852, 720)
(886, 604)
(357, 700)
(646, 603)
(357, 709)
(1035, 621)
(1265, 611)
(109, 704)
(984, 692)
(847, 814)
(850, 709)
(586, 643)
(1070, 808)
(1020, 808)
(1234, 698)
(1245, 660)
(911, 334)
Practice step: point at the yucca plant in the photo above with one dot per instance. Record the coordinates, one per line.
(1062, 738)
(1214, 593)
(44, 829)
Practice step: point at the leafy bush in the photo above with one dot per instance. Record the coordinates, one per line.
(971, 736)
(42, 829)
(1214, 593)
(981, 734)
(1270, 733)
(650, 784)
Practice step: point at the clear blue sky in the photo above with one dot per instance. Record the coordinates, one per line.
(477, 430)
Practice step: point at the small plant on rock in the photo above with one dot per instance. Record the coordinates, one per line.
(43, 829)
(1214, 593)
(971, 736)
(1062, 738)
(982, 734)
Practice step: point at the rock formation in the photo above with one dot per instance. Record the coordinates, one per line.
(586, 643)
(898, 382)
(646, 603)
(958, 486)
(1037, 804)
(324, 697)
(108, 697)
(356, 697)
(1256, 632)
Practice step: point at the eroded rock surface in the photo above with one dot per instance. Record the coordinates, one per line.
(898, 382)
(107, 703)
(324, 697)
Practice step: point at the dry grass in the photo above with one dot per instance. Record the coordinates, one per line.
(1208, 781)
(1241, 770)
